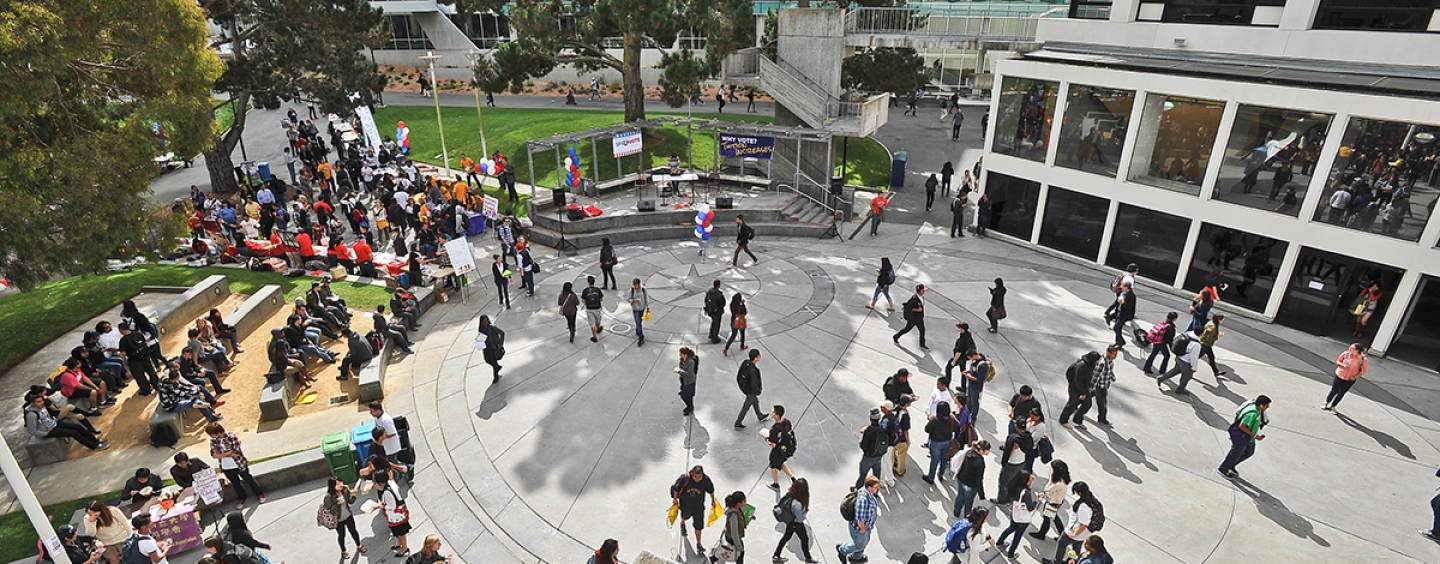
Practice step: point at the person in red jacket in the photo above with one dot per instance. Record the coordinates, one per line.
(307, 246)
(364, 259)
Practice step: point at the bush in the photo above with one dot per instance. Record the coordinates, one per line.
(616, 86)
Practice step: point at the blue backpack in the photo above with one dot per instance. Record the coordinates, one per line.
(130, 551)
(957, 539)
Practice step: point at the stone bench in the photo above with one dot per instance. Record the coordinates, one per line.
(47, 450)
(372, 375)
(276, 399)
(174, 419)
(258, 308)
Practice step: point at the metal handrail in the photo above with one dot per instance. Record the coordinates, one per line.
(959, 20)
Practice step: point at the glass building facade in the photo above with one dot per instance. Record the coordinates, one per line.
(1074, 222)
(1027, 109)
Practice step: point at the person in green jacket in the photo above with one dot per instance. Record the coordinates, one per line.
(1244, 433)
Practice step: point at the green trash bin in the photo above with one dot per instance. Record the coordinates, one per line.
(336, 448)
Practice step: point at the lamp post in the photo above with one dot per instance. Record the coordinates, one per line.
(26, 496)
(430, 57)
(475, 84)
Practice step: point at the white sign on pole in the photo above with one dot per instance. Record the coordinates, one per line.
(367, 124)
(626, 144)
(490, 207)
(460, 258)
(207, 486)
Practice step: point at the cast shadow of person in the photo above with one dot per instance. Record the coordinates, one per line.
(1275, 510)
(1108, 459)
(1384, 439)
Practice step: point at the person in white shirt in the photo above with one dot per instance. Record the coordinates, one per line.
(941, 394)
(1078, 529)
(1184, 365)
(156, 551)
(109, 337)
(390, 439)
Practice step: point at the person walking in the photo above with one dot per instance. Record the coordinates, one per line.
(1022, 510)
(502, 275)
(491, 342)
(689, 366)
(977, 372)
(639, 308)
(1124, 312)
(608, 258)
(963, 344)
(750, 99)
(1012, 459)
(1207, 339)
(733, 536)
(1117, 286)
(1349, 367)
(1101, 378)
(397, 515)
(1244, 433)
(885, 277)
(738, 322)
(781, 438)
(957, 214)
(930, 185)
(873, 448)
(1185, 360)
(593, 298)
(914, 316)
(688, 494)
(424, 87)
(226, 447)
(1160, 337)
(955, 122)
(877, 211)
(1054, 497)
(715, 308)
(748, 378)
(970, 477)
(940, 430)
(339, 501)
(947, 170)
(863, 525)
(997, 304)
(1078, 528)
(796, 505)
(1077, 378)
(569, 307)
(744, 234)
(1433, 533)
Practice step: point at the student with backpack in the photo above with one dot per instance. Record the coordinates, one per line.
(1077, 378)
(594, 310)
(860, 509)
(961, 539)
(688, 493)
(1244, 432)
(791, 511)
(141, 548)
(781, 439)
(873, 446)
(1160, 336)
(885, 276)
(897, 423)
(1187, 353)
(1022, 509)
(491, 341)
(1087, 517)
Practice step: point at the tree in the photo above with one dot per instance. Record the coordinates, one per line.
(286, 50)
(553, 33)
(884, 70)
(93, 91)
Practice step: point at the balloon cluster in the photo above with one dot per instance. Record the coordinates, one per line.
(488, 166)
(572, 169)
(703, 216)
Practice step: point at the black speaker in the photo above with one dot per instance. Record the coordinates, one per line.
(724, 202)
(645, 205)
(557, 196)
(575, 214)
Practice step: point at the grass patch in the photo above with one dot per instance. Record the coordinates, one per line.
(30, 320)
(868, 162)
(224, 116)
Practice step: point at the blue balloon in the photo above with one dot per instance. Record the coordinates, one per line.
(704, 236)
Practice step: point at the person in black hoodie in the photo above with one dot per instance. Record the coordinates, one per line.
(748, 378)
(239, 533)
(1078, 377)
(963, 343)
(1124, 313)
(971, 477)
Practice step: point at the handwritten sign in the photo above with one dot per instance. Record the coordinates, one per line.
(207, 486)
(460, 257)
(625, 144)
(490, 207)
(742, 146)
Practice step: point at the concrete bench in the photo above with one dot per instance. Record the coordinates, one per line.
(47, 450)
(372, 375)
(174, 419)
(258, 308)
(276, 399)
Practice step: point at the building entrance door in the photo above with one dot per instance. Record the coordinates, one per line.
(1323, 290)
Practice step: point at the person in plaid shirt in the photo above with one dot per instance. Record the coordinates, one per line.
(1100, 381)
(225, 447)
(866, 511)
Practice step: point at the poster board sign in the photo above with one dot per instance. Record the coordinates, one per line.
(207, 486)
(626, 144)
(490, 207)
(746, 146)
(367, 124)
(460, 257)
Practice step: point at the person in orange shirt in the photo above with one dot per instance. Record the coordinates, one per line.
(462, 194)
(324, 170)
(877, 208)
(467, 166)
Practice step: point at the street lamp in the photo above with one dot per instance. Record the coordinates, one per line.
(430, 57)
(20, 486)
(475, 83)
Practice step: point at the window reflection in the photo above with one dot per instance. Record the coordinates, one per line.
(1149, 239)
(1172, 147)
(1383, 179)
(1012, 204)
(1243, 265)
(1270, 158)
(1027, 107)
(1074, 222)
(1093, 131)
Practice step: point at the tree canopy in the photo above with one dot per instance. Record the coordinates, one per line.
(92, 92)
(288, 50)
(884, 70)
(579, 33)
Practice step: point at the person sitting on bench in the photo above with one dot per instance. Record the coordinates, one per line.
(178, 394)
(305, 340)
(75, 385)
(312, 323)
(404, 309)
(359, 355)
(397, 334)
(40, 423)
(193, 371)
(282, 357)
(208, 352)
(327, 321)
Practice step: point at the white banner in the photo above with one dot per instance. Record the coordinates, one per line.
(626, 144)
(367, 124)
(207, 485)
(460, 257)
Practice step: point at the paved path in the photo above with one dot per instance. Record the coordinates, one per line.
(579, 442)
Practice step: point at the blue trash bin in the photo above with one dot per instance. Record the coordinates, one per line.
(264, 167)
(362, 437)
(897, 170)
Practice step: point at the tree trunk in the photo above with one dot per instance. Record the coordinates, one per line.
(218, 159)
(634, 84)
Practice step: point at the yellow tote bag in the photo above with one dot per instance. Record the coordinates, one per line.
(674, 512)
(716, 512)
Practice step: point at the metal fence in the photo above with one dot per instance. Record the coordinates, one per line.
(982, 21)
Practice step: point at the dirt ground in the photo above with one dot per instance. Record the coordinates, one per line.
(127, 424)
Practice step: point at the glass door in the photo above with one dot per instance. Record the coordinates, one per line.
(1324, 290)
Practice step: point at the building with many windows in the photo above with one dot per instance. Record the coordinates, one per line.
(1282, 149)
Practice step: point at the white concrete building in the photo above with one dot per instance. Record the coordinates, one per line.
(1153, 132)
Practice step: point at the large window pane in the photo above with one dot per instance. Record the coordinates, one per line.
(1093, 132)
(1173, 144)
(1243, 265)
(1270, 158)
(1418, 339)
(1405, 15)
(1012, 204)
(1026, 109)
(1150, 240)
(1074, 222)
(1387, 171)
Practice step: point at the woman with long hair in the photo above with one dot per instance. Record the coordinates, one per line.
(338, 501)
(1095, 552)
(738, 322)
(223, 331)
(1022, 509)
(494, 345)
(883, 280)
(1053, 496)
(971, 477)
(569, 307)
(941, 430)
(108, 525)
(609, 553)
(430, 552)
(1078, 528)
(977, 518)
(735, 523)
(798, 505)
(397, 516)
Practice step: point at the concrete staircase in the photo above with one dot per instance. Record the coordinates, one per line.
(805, 211)
(807, 100)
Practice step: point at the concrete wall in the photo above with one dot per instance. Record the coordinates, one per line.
(258, 308)
(194, 303)
(813, 41)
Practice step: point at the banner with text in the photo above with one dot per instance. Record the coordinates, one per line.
(742, 146)
(626, 144)
(367, 126)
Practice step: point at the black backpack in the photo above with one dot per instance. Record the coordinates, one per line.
(130, 551)
(592, 297)
(1181, 344)
(163, 436)
(783, 511)
(497, 338)
(891, 424)
(714, 302)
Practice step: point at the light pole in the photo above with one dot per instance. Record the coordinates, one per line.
(475, 83)
(26, 496)
(430, 57)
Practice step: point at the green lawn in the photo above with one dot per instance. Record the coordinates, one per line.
(224, 116)
(17, 536)
(30, 320)
(507, 129)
